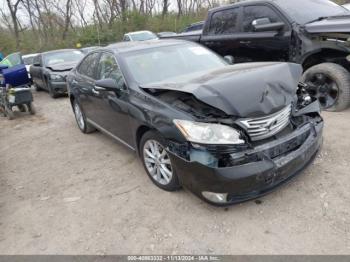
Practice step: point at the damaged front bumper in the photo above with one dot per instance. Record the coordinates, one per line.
(254, 172)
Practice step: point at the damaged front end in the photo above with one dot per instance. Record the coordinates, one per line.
(268, 149)
(227, 174)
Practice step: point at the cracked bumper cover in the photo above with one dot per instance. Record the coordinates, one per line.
(253, 179)
(59, 87)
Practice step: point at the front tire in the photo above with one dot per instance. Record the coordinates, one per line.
(52, 92)
(330, 84)
(83, 125)
(157, 162)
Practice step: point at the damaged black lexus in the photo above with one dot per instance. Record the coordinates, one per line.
(228, 133)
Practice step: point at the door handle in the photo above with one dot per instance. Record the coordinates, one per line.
(245, 42)
(95, 91)
(99, 88)
(74, 82)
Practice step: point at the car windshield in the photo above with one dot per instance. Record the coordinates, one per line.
(143, 36)
(175, 61)
(62, 57)
(29, 60)
(304, 11)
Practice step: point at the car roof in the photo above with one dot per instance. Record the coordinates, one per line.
(139, 32)
(246, 2)
(29, 55)
(123, 47)
(59, 50)
(197, 23)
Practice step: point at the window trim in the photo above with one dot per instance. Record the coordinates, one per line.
(237, 27)
(116, 60)
(273, 8)
(82, 61)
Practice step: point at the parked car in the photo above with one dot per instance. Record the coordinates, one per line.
(28, 60)
(50, 69)
(160, 34)
(228, 133)
(314, 33)
(15, 88)
(194, 27)
(139, 36)
(347, 6)
(12, 60)
(86, 50)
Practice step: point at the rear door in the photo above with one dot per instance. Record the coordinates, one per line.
(36, 71)
(263, 46)
(83, 83)
(221, 35)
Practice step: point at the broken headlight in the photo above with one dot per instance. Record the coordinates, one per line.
(56, 78)
(205, 133)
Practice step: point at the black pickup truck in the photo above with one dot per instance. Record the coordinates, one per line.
(314, 33)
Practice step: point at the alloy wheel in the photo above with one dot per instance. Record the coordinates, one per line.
(79, 116)
(323, 88)
(157, 162)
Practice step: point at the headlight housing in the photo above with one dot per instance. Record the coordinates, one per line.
(206, 133)
(57, 78)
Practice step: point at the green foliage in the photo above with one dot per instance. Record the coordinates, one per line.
(32, 41)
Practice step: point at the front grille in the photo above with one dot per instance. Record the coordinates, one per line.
(263, 127)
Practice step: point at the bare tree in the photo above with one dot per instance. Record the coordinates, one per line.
(165, 8)
(13, 8)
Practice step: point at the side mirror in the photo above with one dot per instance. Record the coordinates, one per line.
(229, 59)
(108, 84)
(264, 24)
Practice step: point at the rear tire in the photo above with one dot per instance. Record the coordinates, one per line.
(22, 108)
(157, 162)
(31, 108)
(83, 125)
(37, 88)
(330, 84)
(10, 114)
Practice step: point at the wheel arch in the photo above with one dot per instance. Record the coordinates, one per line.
(325, 55)
(141, 130)
(71, 99)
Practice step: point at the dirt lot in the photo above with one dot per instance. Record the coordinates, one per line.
(62, 192)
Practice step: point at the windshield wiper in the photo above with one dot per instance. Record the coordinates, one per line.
(326, 17)
(318, 19)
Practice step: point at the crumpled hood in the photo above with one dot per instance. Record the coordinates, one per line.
(61, 67)
(337, 24)
(242, 90)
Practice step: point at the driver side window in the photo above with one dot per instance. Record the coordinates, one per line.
(108, 68)
(252, 13)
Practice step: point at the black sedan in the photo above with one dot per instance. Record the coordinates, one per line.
(226, 132)
(50, 69)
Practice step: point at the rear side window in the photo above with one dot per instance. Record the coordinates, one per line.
(224, 22)
(88, 66)
(251, 13)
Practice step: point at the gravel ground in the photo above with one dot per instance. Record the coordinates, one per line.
(63, 192)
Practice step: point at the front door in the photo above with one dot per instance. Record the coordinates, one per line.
(112, 107)
(267, 45)
(221, 35)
